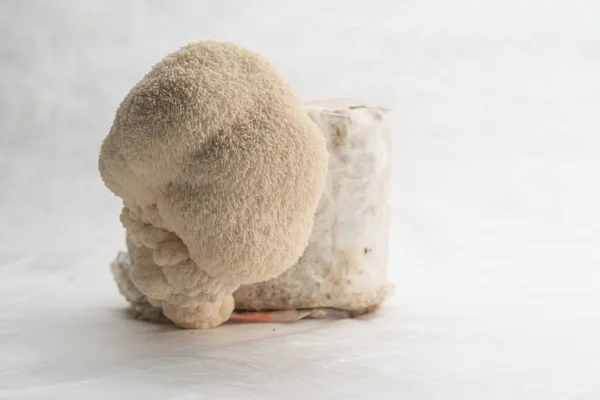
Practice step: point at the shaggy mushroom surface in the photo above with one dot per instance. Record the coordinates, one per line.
(220, 170)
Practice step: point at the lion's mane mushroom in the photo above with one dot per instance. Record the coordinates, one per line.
(220, 171)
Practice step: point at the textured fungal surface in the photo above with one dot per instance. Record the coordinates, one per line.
(220, 170)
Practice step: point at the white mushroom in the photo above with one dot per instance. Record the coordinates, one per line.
(220, 170)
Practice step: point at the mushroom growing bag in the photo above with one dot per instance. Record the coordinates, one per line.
(343, 270)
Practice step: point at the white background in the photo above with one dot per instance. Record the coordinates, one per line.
(496, 222)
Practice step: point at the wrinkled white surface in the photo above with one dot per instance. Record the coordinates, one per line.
(345, 264)
(496, 219)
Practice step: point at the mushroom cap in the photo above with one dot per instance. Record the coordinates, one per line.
(220, 169)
